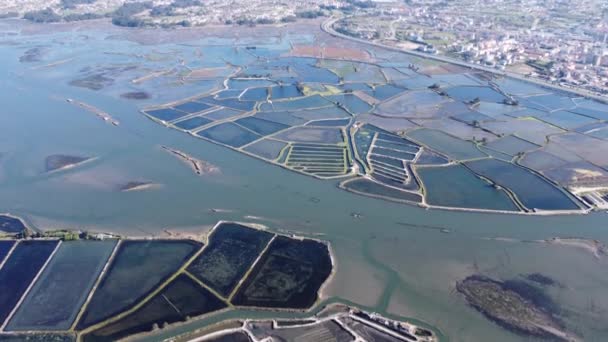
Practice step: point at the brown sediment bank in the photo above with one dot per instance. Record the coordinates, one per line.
(58, 162)
(100, 113)
(515, 306)
(595, 247)
(200, 167)
(135, 95)
(137, 186)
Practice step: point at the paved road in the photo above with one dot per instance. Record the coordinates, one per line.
(327, 26)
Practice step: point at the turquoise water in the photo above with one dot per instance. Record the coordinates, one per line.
(388, 259)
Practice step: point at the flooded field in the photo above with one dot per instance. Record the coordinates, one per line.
(394, 258)
(59, 293)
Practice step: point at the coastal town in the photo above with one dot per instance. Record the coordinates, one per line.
(556, 41)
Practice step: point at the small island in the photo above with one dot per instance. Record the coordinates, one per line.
(200, 167)
(58, 162)
(136, 95)
(100, 113)
(136, 186)
(515, 305)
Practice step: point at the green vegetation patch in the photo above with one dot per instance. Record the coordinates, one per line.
(231, 251)
(288, 275)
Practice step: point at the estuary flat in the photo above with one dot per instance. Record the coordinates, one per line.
(382, 265)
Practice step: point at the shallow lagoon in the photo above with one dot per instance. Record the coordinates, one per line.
(376, 270)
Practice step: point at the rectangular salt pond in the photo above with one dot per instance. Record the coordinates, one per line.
(374, 189)
(312, 135)
(254, 94)
(548, 102)
(591, 112)
(576, 174)
(456, 186)
(471, 117)
(229, 134)
(533, 191)
(228, 93)
(182, 299)
(351, 102)
(19, 271)
(166, 114)
(288, 275)
(283, 117)
(456, 79)
(222, 114)
(329, 123)
(192, 123)
(284, 92)
(529, 129)
(393, 153)
(231, 251)
(567, 120)
(192, 107)
(469, 93)
(511, 145)
(260, 126)
(138, 267)
(5, 248)
(541, 160)
(408, 103)
(385, 160)
(314, 101)
(230, 103)
(57, 296)
(396, 146)
(452, 147)
(244, 83)
(583, 146)
(266, 148)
